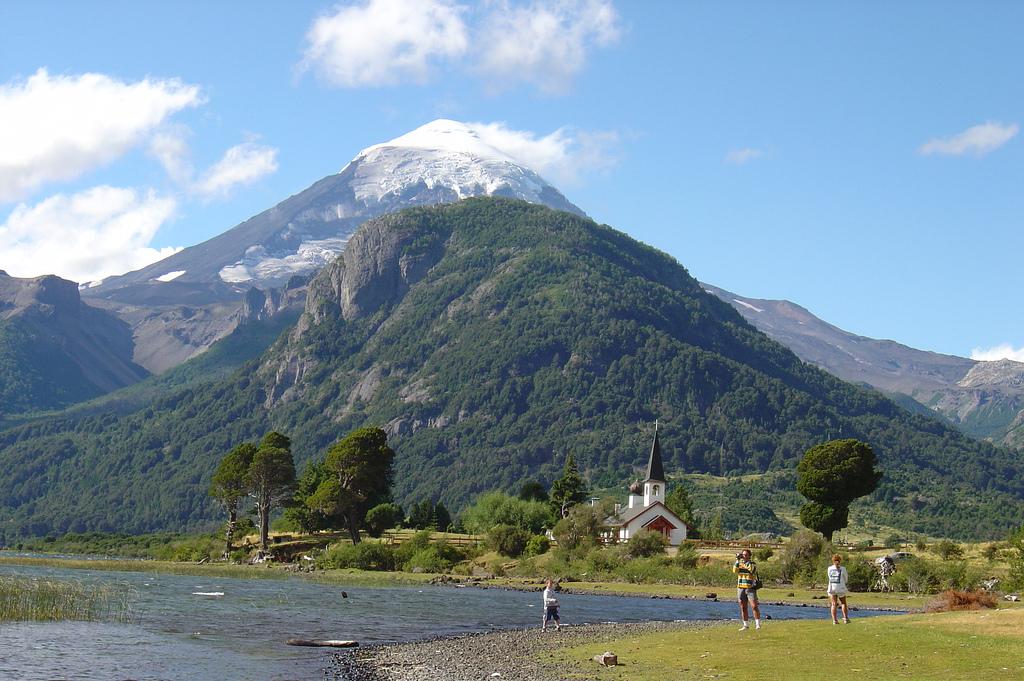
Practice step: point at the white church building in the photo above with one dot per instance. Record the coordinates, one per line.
(646, 509)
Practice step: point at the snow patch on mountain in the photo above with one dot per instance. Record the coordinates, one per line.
(259, 265)
(170, 276)
(748, 305)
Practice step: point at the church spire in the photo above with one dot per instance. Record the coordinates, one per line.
(655, 471)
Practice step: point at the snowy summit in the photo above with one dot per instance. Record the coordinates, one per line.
(448, 160)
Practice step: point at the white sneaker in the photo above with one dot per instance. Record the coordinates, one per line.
(744, 627)
(846, 620)
(757, 625)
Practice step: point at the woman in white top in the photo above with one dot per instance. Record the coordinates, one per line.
(837, 580)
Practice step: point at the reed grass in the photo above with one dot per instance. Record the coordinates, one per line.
(47, 600)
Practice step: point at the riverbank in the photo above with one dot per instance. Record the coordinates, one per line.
(968, 646)
(781, 596)
(523, 654)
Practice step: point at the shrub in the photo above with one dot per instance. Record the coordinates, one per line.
(507, 540)
(916, 577)
(383, 517)
(580, 530)
(921, 544)
(952, 599)
(861, 574)
(537, 545)
(430, 559)
(498, 508)
(645, 544)
(407, 549)
(893, 541)
(363, 556)
(948, 550)
(990, 552)
(801, 557)
(687, 556)
(762, 555)
(1016, 557)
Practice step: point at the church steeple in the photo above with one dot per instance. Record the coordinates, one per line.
(654, 484)
(655, 471)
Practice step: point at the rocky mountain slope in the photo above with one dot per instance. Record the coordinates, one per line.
(179, 306)
(490, 337)
(984, 399)
(55, 350)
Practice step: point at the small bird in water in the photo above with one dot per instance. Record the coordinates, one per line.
(344, 594)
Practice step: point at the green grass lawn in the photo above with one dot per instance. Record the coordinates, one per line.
(982, 645)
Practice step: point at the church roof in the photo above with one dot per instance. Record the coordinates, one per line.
(655, 471)
(628, 514)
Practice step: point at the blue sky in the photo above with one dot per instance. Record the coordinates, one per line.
(861, 159)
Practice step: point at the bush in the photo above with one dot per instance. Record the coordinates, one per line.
(687, 556)
(362, 556)
(921, 544)
(537, 545)
(948, 550)
(191, 550)
(1015, 556)
(762, 555)
(409, 548)
(645, 544)
(498, 508)
(801, 557)
(961, 600)
(893, 541)
(430, 559)
(990, 552)
(861, 574)
(383, 517)
(507, 540)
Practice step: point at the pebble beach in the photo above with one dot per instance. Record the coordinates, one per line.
(522, 655)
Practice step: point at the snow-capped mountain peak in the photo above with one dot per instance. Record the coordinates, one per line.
(444, 135)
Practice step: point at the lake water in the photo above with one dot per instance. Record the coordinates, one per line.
(241, 635)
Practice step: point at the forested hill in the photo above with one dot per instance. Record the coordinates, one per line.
(490, 337)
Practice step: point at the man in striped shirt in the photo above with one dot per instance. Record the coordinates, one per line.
(746, 575)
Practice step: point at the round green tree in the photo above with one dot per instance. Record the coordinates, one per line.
(831, 476)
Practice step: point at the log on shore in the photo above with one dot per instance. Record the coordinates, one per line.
(321, 643)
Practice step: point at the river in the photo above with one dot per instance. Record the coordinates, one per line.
(175, 634)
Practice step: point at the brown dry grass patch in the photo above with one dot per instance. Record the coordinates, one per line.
(952, 600)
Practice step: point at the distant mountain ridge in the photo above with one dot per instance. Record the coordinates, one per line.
(56, 350)
(179, 306)
(489, 337)
(985, 399)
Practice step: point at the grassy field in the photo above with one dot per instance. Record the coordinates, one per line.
(966, 646)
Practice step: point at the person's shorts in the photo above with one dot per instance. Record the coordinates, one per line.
(551, 613)
(747, 594)
(839, 593)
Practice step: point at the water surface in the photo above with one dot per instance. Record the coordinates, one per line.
(175, 634)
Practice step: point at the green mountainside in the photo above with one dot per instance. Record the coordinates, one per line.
(489, 338)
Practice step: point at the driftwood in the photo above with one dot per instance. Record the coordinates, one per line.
(607, 659)
(321, 644)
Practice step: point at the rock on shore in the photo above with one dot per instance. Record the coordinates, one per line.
(519, 655)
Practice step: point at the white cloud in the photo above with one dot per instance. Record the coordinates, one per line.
(561, 156)
(743, 156)
(58, 127)
(546, 42)
(241, 164)
(1004, 351)
(85, 236)
(977, 140)
(170, 148)
(383, 42)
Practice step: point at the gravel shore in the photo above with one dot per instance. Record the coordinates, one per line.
(517, 655)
